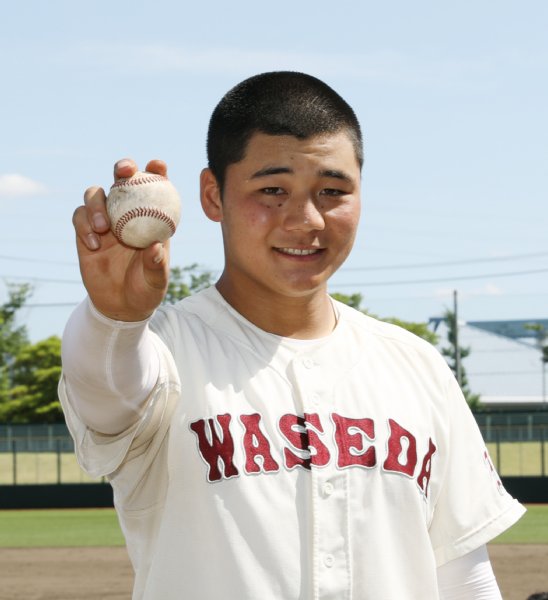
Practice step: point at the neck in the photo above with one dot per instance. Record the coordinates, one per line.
(305, 317)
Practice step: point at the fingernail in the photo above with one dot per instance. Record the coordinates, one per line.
(93, 242)
(123, 163)
(159, 256)
(99, 221)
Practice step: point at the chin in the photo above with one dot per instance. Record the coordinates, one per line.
(301, 289)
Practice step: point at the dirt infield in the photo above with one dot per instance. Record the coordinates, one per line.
(105, 573)
(65, 574)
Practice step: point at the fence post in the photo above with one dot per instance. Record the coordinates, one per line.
(14, 461)
(58, 445)
(497, 441)
(542, 458)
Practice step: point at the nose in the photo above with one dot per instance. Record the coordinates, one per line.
(302, 214)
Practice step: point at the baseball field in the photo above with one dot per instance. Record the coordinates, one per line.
(79, 555)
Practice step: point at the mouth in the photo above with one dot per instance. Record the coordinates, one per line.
(299, 251)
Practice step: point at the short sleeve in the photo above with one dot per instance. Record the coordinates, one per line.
(472, 506)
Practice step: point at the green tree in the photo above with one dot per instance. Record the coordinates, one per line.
(184, 281)
(420, 329)
(35, 375)
(354, 300)
(541, 335)
(450, 352)
(13, 337)
(29, 373)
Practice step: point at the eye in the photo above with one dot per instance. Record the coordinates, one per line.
(332, 192)
(273, 191)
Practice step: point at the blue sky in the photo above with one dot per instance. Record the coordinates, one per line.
(452, 98)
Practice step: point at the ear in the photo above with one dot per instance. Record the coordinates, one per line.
(210, 196)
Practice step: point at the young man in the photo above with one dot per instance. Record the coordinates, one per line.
(263, 441)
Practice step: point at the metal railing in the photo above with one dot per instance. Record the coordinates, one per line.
(34, 454)
(38, 454)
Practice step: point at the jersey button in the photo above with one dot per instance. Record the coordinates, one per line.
(308, 363)
(328, 560)
(328, 488)
(315, 398)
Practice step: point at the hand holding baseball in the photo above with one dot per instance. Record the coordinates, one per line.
(124, 282)
(143, 209)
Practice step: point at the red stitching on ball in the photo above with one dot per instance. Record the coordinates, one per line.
(143, 211)
(129, 181)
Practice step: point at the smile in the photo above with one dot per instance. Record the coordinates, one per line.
(298, 251)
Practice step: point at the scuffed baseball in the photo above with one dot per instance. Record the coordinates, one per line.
(143, 209)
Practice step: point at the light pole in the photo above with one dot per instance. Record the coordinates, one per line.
(544, 359)
(458, 370)
(542, 343)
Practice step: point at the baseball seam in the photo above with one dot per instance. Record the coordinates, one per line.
(143, 211)
(130, 181)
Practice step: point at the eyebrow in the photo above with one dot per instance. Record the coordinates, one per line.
(330, 173)
(336, 174)
(271, 171)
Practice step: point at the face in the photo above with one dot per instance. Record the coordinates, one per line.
(289, 214)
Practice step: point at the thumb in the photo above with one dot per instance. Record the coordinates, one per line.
(156, 264)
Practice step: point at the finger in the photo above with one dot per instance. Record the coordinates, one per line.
(126, 167)
(156, 255)
(156, 262)
(84, 230)
(157, 166)
(94, 200)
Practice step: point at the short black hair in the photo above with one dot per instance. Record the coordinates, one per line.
(276, 103)
(539, 596)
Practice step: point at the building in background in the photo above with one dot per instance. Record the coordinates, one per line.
(505, 365)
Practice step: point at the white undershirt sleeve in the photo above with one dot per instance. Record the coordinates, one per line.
(110, 368)
(469, 577)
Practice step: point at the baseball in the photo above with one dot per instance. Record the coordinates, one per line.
(143, 209)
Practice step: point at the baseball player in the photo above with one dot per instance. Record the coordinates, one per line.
(264, 441)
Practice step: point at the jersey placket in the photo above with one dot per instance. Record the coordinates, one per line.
(329, 558)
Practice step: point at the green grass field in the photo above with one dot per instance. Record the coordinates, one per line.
(59, 528)
(99, 527)
(532, 528)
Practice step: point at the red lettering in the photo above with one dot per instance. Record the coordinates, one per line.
(493, 471)
(424, 476)
(308, 448)
(256, 444)
(396, 450)
(217, 450)
(350, 437)
(319, 452)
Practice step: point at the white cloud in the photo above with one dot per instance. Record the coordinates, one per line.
(13, 185)
(489, 289)
(444, 292)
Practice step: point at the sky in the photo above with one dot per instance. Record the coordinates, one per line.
(452, 99)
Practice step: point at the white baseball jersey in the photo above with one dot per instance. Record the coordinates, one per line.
(268, 468)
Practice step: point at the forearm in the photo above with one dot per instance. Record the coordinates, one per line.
(469, 577)
(110, 368)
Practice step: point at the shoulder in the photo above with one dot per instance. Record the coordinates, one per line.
(204, 304)
(393, 338)
(199, 311)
